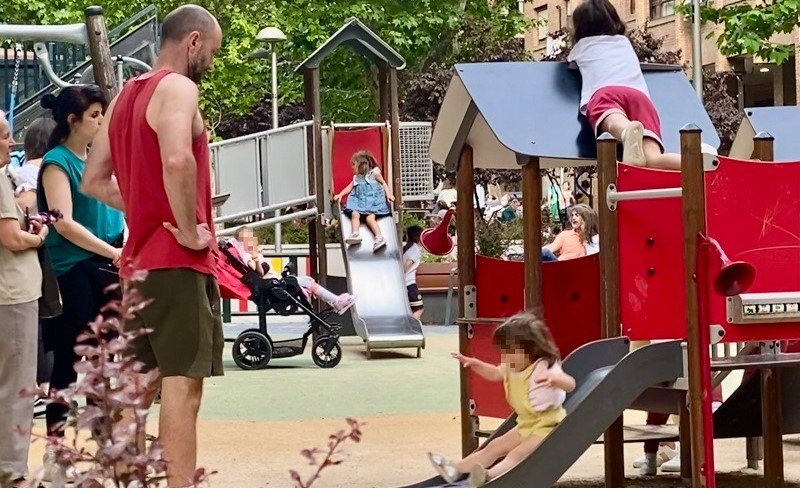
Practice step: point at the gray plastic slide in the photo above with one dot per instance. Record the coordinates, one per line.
(381, 315)
(609, 379)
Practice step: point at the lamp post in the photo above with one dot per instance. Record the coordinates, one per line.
(272, 36)
(697, 55)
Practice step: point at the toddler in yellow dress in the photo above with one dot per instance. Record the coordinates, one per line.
(535, 388)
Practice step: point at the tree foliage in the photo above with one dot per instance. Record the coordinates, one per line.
(748, 27)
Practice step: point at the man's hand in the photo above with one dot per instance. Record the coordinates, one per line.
(42, 233)
(200, 240)
(35, 224)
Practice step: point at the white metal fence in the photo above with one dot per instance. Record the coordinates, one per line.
(271, 167)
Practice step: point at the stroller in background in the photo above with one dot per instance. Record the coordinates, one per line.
(254, 348)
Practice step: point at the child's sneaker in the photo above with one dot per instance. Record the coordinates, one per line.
(444, 467)
(344, 302)
(665, 454)
(632, 142)
(477, 476)
(353, 239)
(380, 241)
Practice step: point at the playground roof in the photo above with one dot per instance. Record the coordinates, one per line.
(531, 109)
(780, 122)
(359, 37)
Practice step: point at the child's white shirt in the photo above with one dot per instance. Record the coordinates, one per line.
(606, 61)
(545, 397)
(414, 254)
(593, 246)
(25, 178)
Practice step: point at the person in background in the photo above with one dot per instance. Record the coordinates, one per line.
(25, 180)
(571, 244)
(20, 290)
(84, 246)
(412, 257)
(511, 210)
(25, 177)
(245, 246)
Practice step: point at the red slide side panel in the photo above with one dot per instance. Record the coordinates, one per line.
(345, 144)
(753, 210)
(571, 297)
(651, 264)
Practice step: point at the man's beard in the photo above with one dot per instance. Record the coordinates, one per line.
(194, 72)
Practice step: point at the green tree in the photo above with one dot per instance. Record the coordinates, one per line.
(749, 27)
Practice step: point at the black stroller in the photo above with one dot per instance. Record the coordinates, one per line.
(254, 348)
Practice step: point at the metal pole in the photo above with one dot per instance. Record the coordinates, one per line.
(274, 86)
(697, 54)
(278, 236)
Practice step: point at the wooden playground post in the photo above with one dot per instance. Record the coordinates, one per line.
(102, 62)
(693, 197)
(465, 231)
(531, 229)
(383, 92)
(397, 187)
(771, 394)
(317, 250)
(613, 439)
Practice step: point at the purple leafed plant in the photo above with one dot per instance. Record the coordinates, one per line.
(322, 458)
(118, 395)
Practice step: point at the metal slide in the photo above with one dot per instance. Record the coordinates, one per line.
(609, 380)
(381, 315)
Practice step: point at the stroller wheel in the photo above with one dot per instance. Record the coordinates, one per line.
(252, 350)
(326, 351)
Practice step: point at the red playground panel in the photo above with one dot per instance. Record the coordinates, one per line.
(752, 210)
(571, 297)
(345, 144)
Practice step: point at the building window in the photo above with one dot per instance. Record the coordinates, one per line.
(541, 23)
(661, 8)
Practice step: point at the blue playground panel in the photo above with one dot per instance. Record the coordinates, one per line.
(781, 123)
(532, 107)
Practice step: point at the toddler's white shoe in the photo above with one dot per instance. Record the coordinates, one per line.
(380, 241)
(632, 144)
(444, 468)
(353, 239)
(672, 466)
(344, 302)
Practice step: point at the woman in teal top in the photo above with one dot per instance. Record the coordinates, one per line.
(84, 246)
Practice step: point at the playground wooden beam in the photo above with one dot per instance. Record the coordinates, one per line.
(317, 248)
(465, 231)
(397, 187)
(692, 182)
(102, 62)
(531, 230)
(613, 439)
(771, 394)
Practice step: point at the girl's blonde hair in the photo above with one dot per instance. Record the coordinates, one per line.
(527, 331)
(364, 161)
(589, 221)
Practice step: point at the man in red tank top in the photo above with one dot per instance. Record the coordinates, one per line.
(151, 159)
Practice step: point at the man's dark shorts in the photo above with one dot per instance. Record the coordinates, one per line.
(184, 315)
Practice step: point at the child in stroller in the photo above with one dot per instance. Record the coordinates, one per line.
(245, 247)
(254, 348)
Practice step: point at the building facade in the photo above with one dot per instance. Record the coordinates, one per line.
(759, 83)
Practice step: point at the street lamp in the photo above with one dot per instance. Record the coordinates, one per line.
(272, 36)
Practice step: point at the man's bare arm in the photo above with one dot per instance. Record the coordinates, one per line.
(179, 99)
(98, 175)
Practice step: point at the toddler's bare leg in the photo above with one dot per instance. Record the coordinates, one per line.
(516, 456)
(355, 222)
(372, 223)
(493, 451)
(658, 160)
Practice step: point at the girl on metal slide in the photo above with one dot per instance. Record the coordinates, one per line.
(614, 96)
(535, 387)
(369, 196)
